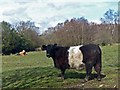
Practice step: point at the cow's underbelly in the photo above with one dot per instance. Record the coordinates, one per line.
(75, 57)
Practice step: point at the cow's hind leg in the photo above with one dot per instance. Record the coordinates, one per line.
(88, 71)
(97, 68)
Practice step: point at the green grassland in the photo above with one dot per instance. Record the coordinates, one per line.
(35, 70)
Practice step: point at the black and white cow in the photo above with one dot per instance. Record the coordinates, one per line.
(75, 57)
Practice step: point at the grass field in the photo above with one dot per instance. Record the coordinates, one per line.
(35, 70)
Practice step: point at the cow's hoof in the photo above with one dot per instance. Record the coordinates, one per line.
(87, 78)
(99, 79)
(59, 75)
(61, 78)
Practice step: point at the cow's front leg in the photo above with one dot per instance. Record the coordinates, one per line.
(62, 73)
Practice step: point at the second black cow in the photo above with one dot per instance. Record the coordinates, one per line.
(75, 57)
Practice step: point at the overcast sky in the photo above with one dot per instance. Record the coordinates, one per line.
(47, 13)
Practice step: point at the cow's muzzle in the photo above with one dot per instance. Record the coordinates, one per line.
(48, 55)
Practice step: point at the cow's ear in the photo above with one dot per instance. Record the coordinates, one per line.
(43, 47)
(55, 44)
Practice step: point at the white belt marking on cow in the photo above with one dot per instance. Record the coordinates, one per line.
(75, 57)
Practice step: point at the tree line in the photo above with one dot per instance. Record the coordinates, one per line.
(25, 35)
(79, 31)
(18, 37)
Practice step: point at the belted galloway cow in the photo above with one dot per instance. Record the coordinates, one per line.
(75, 57)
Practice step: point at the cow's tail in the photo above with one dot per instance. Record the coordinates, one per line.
(99, 56)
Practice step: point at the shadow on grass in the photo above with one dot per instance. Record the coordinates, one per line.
(76, 75)
(93, 76)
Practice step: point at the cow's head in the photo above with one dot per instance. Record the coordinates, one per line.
(49, 49)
